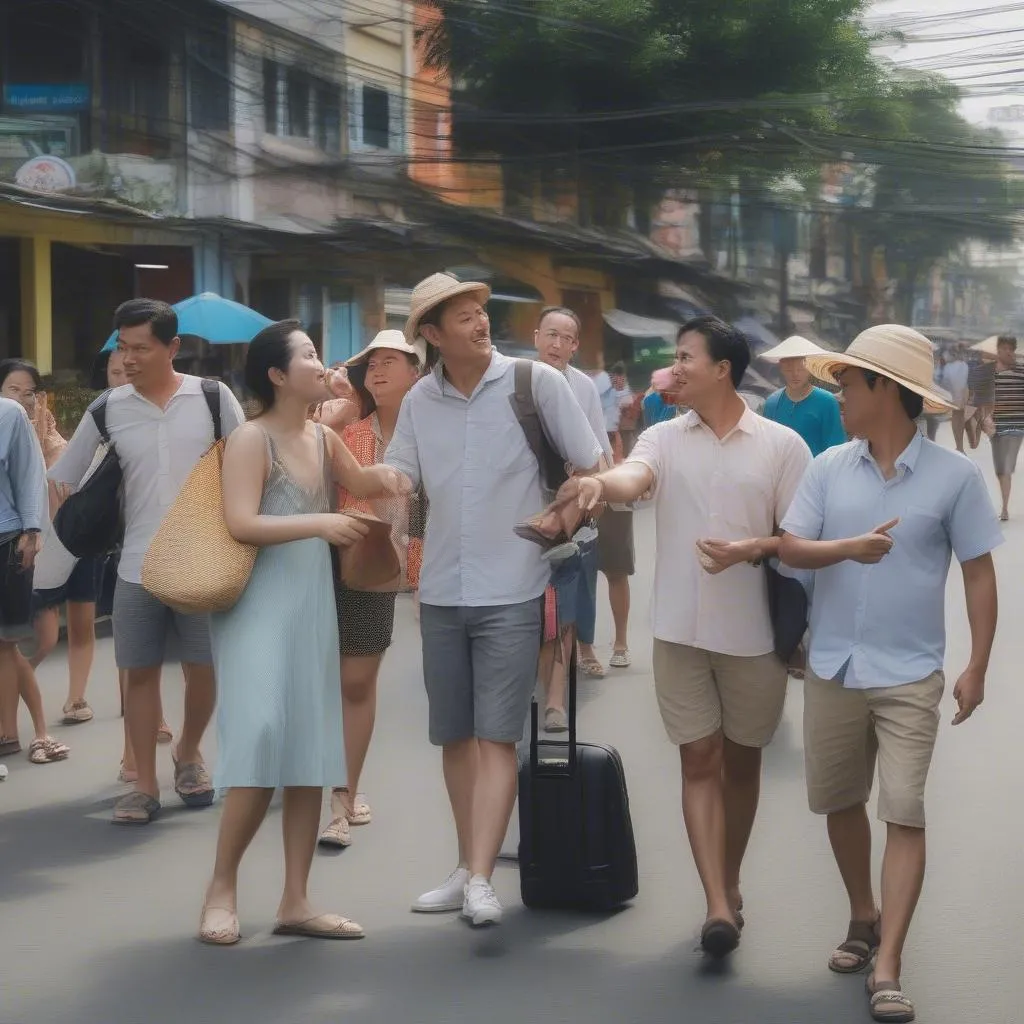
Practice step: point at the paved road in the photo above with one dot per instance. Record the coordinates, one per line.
(97, 923)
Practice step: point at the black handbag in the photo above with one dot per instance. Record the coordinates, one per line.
(787, 607)
(90, 522)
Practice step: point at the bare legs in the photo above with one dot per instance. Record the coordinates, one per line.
(552, 670)
(359, 711)
(618, 597)
(18, 680)
(81, 647)
(958, 429)
(721, 786)
(1005, 483)
(902, 877)
(481, 779)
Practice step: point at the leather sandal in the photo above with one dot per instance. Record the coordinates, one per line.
(855, 953)
(888, 1003)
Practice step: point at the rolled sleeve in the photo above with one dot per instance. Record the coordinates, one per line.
(403, 453)
(805, 516)
(972, 524)
(563, 419)
(76, 459)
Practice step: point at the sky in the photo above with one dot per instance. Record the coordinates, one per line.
(979, 45)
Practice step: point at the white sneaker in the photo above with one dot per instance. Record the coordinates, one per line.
(446, 897)
(481, 904)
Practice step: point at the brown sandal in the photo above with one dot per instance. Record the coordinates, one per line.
(853, 955)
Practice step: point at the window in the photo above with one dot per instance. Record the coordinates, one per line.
(209, 91)
(301, 106)
(376, 119)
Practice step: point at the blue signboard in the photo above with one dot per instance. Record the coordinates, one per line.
(47, 99)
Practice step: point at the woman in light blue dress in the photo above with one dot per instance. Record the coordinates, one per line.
(276, 651)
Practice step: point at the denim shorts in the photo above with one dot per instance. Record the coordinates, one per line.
(575, 583)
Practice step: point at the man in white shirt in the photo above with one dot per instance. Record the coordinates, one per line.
(575, 579)
(159, 424)
(481, 586)
(722, 478)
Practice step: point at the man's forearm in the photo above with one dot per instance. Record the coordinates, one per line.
(811, 554)
(982, 608)
(626, 482)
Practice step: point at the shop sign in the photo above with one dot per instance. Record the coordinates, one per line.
(47, 99)
(45, 174)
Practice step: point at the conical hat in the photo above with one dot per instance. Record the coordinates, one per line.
(794, 347)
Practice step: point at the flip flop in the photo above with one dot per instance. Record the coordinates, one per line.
(323, 926)
(719, 938)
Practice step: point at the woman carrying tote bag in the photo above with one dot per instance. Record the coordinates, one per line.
(276, 652)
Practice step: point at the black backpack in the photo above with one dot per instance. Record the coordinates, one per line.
(553, 471)
(91, 520)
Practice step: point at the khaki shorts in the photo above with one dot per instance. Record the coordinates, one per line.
(700, 692)
(846, 730)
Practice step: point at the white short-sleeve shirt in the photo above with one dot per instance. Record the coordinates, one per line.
(157, 448)
(733, 488)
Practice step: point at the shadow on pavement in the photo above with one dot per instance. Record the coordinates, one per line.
(450, 975)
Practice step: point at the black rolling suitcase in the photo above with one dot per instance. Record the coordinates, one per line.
(576, 847)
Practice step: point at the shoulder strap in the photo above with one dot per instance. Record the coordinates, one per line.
(98, 411)
(211, 392)
(526, 409)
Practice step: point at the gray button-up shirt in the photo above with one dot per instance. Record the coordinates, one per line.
(482, 479)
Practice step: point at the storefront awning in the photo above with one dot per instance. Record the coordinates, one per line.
(634, 326)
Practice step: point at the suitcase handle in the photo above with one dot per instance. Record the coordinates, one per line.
(534, 715)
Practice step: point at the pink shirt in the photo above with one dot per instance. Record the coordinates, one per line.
(734, 488)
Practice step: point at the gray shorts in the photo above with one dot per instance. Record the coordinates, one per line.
(142, 626)
(1005, 449)
(480, 669)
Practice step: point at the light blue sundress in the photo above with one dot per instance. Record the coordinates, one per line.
(276, 655)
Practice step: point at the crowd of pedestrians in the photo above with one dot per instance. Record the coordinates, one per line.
(836, 486)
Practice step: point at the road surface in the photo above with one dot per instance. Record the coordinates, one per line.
(97, 923)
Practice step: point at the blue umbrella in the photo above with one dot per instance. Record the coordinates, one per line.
(214, 319)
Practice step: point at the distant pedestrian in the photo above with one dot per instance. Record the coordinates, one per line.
(1008, 417)
(878, 520)
(811, 411)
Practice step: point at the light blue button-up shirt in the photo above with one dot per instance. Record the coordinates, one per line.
(884, 624)
(482, 479)
(22, 472)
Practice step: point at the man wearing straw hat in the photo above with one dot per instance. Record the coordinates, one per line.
(879, 520)
(811, 411)
(481, 586)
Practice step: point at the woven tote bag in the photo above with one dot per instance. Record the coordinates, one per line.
(194, 565)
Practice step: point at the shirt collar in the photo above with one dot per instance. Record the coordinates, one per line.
(498, 365)
(189, 386)
(747, 422)
(906, 460)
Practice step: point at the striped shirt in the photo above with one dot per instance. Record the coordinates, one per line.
(981, 381)
(1009, 405)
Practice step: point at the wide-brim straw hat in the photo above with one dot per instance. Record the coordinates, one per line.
(392, 339)
(434, 290)
(894, 351)
(794, 347)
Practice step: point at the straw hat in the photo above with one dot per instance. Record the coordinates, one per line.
(897, 352)
(434, 290)
(394, 340)
(794, 347)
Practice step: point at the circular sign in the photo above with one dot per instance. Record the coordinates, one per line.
(46, 174)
